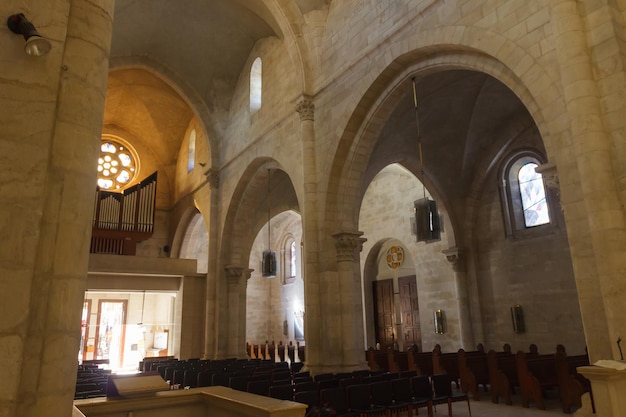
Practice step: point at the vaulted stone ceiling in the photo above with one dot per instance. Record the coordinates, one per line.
(204, 44)
(467, 120)
(199, 47)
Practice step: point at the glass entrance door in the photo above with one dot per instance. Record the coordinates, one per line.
(110, 331)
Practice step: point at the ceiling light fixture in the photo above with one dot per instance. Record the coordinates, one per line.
(36, 45)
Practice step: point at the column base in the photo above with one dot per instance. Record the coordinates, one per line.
(608, 386)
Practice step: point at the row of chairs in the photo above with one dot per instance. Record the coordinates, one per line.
(373, 395)
(91, 382)
(201, 373)
(388, 397)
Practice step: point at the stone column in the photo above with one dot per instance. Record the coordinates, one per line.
(312, 305)
(212, 282)
(52, 112)
(349, 245)
(456, 257)
(596, 228)
(236, 278)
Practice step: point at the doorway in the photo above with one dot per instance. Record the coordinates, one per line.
(406, 333)
(111, 331)
(409, 311)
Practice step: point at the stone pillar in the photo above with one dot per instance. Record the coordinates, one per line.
(349, 245)
(212, 282)
(596, 228)
(312, 305)
(52, 112)
(236, 278)
(456, 257)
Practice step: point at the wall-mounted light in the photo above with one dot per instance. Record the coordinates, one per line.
(36, 45)
(517, 315)
(439, 320)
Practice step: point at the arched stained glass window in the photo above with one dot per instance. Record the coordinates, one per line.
(533, 196)
(526, 204)
(256, 85)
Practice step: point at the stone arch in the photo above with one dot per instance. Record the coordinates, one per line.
(187, 220)
(247, 212)
(195, 242)
(424, 53)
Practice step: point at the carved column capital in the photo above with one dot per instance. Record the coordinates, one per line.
(348, 245)
(306, 109)
(456, 257)
(234, 273)
(248, 273)
(213, 177)
(549, 174)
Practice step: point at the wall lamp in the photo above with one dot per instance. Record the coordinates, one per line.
(439, 320)
(36, 45)
(517, 315)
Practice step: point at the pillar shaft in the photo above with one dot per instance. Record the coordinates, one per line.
(349, 245)
(312, 306)
(456, 257)
(40, 348)
(599, 272)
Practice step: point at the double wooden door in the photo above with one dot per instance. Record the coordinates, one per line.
(387, 329)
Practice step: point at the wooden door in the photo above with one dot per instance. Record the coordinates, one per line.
(384, 312)
(409, 308)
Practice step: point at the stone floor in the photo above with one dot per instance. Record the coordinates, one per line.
(485, 408)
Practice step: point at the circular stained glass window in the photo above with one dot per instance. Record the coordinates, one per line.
(117, 165)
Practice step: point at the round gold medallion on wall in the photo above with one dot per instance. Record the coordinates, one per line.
(395, 257)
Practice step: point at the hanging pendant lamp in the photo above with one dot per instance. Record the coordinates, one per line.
(427, 218)
(268, 267)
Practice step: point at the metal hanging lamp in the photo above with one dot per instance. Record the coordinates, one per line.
(268, 267)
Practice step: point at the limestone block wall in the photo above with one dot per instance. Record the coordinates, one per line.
(385, 219)
(279, 92)
(270, 302)
(535, 272)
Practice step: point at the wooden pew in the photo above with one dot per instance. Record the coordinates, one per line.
(473, 371)
(446, 363)
(420, 362)
(536, 373)
(503, 378)
(378, 360)
(572, 385)
(281, 351)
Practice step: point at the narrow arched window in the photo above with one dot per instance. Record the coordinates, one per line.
(292, 259)
(256, 85)
(533, 195)
(526, 205)
(191, 151)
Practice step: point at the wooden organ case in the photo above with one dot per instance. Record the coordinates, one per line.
(122, 219)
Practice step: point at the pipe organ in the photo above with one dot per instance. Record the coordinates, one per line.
(121, 220)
